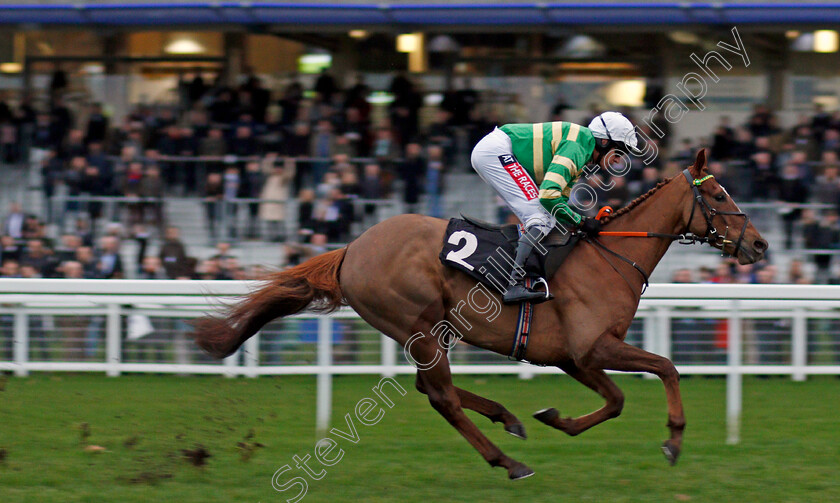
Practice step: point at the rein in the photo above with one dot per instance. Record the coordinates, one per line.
(712, 236)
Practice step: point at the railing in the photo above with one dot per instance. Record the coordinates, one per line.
(116, 327)
(224, 219)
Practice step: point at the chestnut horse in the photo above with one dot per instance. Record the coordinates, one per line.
(392, 277)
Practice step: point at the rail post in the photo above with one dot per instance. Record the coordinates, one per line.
(113, 341)
(230, 363)
(734, 378)
(324, 406)
(799, 344)
(389, 356)
(20, 350)
(251, 356)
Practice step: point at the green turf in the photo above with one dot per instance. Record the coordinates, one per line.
(790, 450)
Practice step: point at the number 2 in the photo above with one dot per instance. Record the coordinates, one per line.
(458, 256)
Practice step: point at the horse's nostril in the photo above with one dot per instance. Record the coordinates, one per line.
(760, 245)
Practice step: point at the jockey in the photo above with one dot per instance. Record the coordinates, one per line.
(552, 157)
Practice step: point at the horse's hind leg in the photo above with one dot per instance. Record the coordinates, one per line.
(437, 384)
(493, 411)
(597, 380)
(614, 354)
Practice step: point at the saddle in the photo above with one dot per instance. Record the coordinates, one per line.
(486, 251)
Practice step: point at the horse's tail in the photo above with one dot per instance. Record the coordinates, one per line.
(313, 284)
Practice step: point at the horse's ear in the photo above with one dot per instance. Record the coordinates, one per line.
(699, 164)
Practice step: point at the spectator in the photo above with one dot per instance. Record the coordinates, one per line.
(322, 147)
(109, 265)
(334, 216)
(796, 273)
(434, 181)
(231, 188)
(152, 268)
(724, 140)
(275, 193)
(10, 249)
(14, 225)
(412, 171)
(290, 103)
(213, 196)
(30, 272)
(243, 144)
(97, 126)
(222, 251)
(131, 186)
(173, 254)
(74, 145)
(306, 212)
(325, 86)
(210, 269)
(827, 186)
(38, 257)
(371, 188)
(792, 191)
(252, 185)
(385, 149)
(821, 235)
(66, 250)
(90, 267)
(10, 269)
(151, 189)
(763, 182)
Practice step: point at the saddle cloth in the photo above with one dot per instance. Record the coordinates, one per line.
(486, 251)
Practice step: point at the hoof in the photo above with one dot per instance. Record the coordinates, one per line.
(547, 416)
(517, 430)
(520, 471)
(671, 451)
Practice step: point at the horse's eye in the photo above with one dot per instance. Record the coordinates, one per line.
(720, 198)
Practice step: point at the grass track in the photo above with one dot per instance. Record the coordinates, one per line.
(790, 450)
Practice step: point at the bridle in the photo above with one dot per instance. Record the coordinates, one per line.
(712, 236)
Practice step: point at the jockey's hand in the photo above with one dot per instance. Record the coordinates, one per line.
(590, 226)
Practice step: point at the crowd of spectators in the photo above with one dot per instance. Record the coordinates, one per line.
(243, 142)
(322, 148)
(26, 251)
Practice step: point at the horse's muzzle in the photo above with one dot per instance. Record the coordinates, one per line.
(754, 254)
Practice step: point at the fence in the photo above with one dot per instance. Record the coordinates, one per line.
(129, 326)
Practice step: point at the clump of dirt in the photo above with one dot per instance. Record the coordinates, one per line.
(197, 456)
(131, 442)
(3, 455)
(247, 448)
(84, 432)
(151, 478)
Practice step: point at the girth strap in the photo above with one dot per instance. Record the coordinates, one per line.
(523, 328)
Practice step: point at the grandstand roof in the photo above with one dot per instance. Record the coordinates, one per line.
(407, 13)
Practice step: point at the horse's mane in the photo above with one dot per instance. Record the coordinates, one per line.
(635, 202)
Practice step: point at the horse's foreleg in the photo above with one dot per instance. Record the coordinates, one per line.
(613, 354)
(493, 411)
(597, 380)
(436, 382)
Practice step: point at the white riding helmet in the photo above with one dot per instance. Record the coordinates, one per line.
(617, 128)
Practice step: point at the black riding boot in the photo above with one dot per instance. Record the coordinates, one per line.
(517, 292)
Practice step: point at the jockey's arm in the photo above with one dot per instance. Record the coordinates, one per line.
(559, 178)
